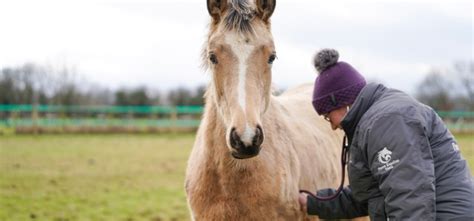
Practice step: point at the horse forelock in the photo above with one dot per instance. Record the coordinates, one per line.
(240, 15)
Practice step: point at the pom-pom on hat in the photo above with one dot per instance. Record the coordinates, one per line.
(338, 83)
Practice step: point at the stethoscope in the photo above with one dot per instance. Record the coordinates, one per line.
(344, 158)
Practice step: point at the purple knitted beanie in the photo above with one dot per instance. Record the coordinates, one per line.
(338, 83)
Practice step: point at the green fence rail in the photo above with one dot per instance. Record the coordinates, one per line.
(458, 121)
(456, 114)
(103, 109)
(58, 116)
(89, 122)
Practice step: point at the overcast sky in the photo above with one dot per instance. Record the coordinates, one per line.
(158, 43)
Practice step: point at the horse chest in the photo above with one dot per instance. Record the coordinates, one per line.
(238, 199)
(245, 209)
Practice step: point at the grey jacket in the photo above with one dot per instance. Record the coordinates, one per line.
(404, 163)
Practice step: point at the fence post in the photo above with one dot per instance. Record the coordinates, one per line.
(174, 119)
(34, 117)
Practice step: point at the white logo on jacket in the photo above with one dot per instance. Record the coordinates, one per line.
(384, 156)
(455, 147)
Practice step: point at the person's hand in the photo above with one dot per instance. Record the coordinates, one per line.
(303, 200)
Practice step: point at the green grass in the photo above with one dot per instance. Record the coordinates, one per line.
(102, 177)
(93, 177)
(466, 144)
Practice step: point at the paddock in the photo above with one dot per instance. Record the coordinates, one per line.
(97, 177)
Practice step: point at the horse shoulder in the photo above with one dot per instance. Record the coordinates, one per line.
(315, 144)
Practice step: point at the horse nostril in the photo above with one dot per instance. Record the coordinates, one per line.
(258, 138)
(234, 139)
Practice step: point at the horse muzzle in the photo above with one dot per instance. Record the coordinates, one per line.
(243, 149)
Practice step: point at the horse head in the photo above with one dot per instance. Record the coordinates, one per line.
(239, 54)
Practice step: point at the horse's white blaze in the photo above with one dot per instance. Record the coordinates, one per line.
(248, 135)
(242, 50)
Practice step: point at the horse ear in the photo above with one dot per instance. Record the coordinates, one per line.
(215, 8)
(266, 8)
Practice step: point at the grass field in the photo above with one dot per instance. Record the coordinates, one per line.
(101, 177)
(466, 144)
(93, 177)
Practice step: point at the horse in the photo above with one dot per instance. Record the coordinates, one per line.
(254, 150)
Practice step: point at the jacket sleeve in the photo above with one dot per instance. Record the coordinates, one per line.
(342, 207)
(400, 159)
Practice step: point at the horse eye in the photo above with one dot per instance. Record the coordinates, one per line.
(271, 59)
(213, 58)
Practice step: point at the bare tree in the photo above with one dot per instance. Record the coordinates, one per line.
(450, 89)
(464, 73)
(23, 84)
(198, 96)
(137, 96)
(62, 85)
(434, 91)
(179, 96)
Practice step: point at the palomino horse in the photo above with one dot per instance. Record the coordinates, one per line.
(254, 151)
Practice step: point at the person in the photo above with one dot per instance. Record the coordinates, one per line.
(404, 164)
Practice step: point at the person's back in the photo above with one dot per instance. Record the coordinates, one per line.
(453, 181)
